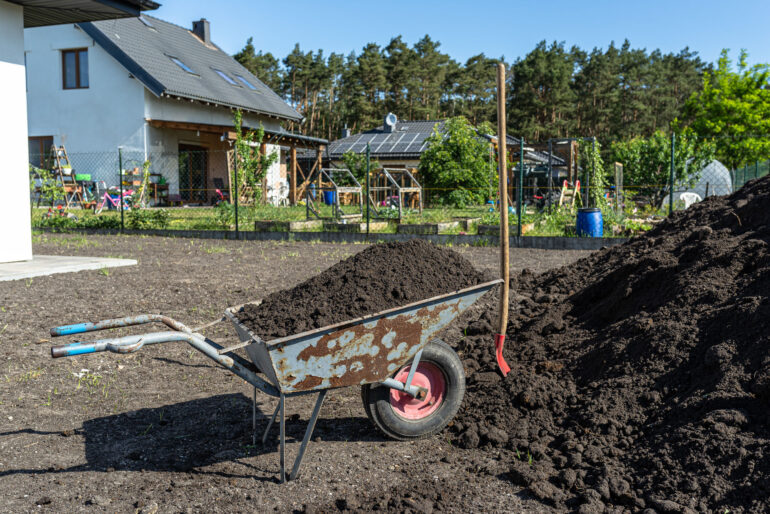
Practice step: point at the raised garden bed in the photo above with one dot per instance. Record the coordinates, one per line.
(287, 226)
(467, 224)
(426, 228)
(374, 226)
(494, 230)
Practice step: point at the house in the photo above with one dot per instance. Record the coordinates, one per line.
(15, 230)
(160, 92)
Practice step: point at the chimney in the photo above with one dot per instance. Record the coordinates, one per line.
(346, 132)
(202, 29)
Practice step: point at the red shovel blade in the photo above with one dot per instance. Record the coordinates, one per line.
(499, 342)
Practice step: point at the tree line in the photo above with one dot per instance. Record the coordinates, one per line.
(553, 91)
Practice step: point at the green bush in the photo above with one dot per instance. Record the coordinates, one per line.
(103, 221)
(456, 168)
(225, 215)
(139, 219)
(57, 222)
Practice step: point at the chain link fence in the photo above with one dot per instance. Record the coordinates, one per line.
(194, 189)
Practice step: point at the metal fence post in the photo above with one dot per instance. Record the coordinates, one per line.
(235, 186)
(671, 177)
(593, 171)
(550, 173)
(120, 183)
(367, 190)
(520, 188)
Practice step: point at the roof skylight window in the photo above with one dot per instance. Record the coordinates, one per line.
(182, 65)
(246, 83)
(226, 77)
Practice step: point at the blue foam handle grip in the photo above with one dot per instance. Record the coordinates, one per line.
(64, 330)
(79, 350)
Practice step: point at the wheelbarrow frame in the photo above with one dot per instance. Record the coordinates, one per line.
(337, 353)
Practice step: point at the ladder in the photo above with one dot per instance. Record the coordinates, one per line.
(568, 195)
(59, 163)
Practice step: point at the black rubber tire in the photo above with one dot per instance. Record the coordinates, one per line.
(376, 398)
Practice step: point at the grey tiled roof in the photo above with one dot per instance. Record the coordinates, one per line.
(146, 53)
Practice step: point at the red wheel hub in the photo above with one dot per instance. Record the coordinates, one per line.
(428, 376)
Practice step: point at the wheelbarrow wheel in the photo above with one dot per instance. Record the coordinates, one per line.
(401, 416)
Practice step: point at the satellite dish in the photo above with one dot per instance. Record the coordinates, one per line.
(390, 122)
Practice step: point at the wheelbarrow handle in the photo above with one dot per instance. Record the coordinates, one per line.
(80, 328)
(128, 344)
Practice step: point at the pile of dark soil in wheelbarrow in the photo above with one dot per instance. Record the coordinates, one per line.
(381, 277)
(640, 375)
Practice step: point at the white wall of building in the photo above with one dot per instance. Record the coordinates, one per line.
(15, 225)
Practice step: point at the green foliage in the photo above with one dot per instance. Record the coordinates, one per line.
(102, 221)
(455, 168)
(593, 164)
(57, 222)
(225, 215)
(647, 163)
(612, 93)
(732, 107)
(356, 163)
(139, 219)
(142, 191)
(43, 181)
(251, 164)
(265, 66)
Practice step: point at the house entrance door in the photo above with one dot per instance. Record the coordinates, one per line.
(193, 165)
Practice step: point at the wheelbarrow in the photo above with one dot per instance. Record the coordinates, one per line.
(411, 383)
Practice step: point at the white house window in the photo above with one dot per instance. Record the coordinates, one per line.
(246, 83)
(182, 65)
(75, 68)
(226, 77)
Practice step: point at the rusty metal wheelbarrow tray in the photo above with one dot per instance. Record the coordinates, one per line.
(360, 351)
(355, 352)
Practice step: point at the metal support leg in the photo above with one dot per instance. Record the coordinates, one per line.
(308, 434)
(282, 406)
(254, 419)
(413, 368)
(270, 424)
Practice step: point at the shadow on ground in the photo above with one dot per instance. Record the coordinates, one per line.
(189, 435)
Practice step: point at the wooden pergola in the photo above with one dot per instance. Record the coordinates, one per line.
(300, 178)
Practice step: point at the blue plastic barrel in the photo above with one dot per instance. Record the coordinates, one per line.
(589, 222)
(330, 197)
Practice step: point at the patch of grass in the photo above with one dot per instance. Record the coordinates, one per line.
(216, 249)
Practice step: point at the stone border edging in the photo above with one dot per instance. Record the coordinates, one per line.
(535, 242)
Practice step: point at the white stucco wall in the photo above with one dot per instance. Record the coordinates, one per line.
(91, 123)
(15, 226)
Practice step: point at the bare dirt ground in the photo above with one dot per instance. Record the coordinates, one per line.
(164, 429)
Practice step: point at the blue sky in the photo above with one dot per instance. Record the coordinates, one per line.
(510, 28)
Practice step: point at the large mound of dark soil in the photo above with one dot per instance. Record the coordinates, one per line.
(641, 375)
(381, 277)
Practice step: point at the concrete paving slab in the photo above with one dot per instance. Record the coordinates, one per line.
(42, 265)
